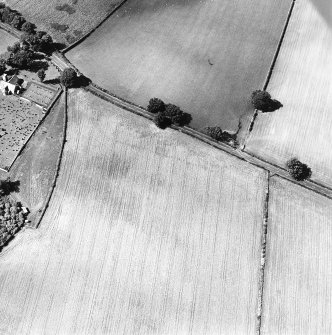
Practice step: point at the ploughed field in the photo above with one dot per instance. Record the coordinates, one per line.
(301, 80)
(147, 232)
(297, 286)
(205, 56)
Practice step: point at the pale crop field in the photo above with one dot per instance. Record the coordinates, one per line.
(204, 56)
(148, 232)
(298, 286)
(77, 17)
(302, 82)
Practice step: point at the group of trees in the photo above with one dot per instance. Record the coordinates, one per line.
(167, 114)
(221, 135)
(37, 40)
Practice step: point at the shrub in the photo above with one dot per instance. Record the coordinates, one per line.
(14, 48)
(262, 100)
(156, 105)
(298, 170)
(68, 77)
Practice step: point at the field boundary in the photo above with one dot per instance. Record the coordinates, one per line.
(57, 170)
(263, 257)
(244, 156)
(73, 45)
(269, 75)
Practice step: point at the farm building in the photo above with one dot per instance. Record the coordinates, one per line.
(14, 84)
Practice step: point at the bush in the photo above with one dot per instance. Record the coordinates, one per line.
(7, 186)
(156, 105)
(41, 74)
(68, 77)
(298, 170)
(262, 101)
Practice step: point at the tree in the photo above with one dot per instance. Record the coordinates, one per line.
(22, 59)
(41, 74)
(298, 170)
(68, 77)
(29, 27)
(176, 115)
(220, 135)
(18, 21)
(156, 105)
(162, 121)
(262, 100)
(2, 66)
(16, 47)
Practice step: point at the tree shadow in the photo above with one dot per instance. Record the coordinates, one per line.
(273, 106)
(53, 81)
(82, 81)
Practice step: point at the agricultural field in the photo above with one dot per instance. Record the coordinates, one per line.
(302, 82)
(65, 21)
(36, 166)
(204, 56)
(297, 287)
(40, 94)
(18, 120)
(148, 232)
(5, 40)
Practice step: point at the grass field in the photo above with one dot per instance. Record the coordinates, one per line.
(205, 56)
(18, 120)
(36, 166)
(148, 232)
(297, 292)
(65, 21)
(6, 39)
(302, 82)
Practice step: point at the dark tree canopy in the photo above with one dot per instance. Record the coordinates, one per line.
(29, 27)
(298, 170)
(41, 74)
(220, 135)
(156, 105)
(162, 121)
(68, 77)
(21, 59)
(262, 100)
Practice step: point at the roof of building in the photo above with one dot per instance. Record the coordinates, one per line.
(15, 80)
